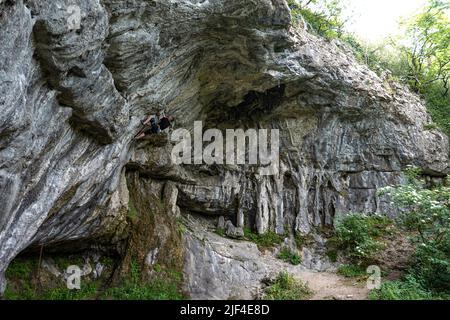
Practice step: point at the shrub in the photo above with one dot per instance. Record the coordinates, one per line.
(220, 232)
(163, 286)
(159, 288)
(285, 287)
(87, 291)
(264, 241)
(407, 289)
(427, 213)
(425, 71)
(352, 271)
(21, 268)
(358, 235)
(432, 266)
(289, 256)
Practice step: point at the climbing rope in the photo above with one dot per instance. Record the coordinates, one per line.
(41, 252)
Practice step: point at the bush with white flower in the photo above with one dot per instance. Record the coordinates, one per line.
(427, 212)
(358, 235)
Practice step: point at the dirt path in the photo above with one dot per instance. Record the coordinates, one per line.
(325, 285)
(330, 286)
(236, 269)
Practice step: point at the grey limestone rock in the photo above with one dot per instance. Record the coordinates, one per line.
(72, 97)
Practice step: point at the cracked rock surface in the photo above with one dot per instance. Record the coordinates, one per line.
(72, 97)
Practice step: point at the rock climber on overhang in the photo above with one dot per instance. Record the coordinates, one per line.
(153, 126)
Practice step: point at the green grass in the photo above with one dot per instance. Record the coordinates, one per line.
(288, 256)
(157, 267)
(285, 287)
(182, 229)
(27, 292)
(264, 241)
(20, 287)
(160, 288)
(406, 289)
(132, 212)
(88, 291)
(431, 126)
(21, 268)
(352, 271)
(220, 232)
(165, 285)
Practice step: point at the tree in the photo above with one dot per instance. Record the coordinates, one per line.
(323, 17)
(426, 212)
(420, 58)
(428, 48)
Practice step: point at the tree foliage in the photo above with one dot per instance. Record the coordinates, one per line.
(419, 58)
(427, 47)
(358, 235)
(322, 17)
(427, 212)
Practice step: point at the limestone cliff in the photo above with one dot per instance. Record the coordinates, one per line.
(72, 97)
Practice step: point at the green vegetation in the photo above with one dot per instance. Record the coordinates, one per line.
(64, 261)
(332, 252)
(285, 287)
(132, 212)
(165, 285)
(264, 241)
(23, 284)
(420, 58)
(352, 271)
(426, 59)
(162, 287)
(407, 289)
(325, 20)
(301, 240)
(182, 229)
(220, 232)
(26, 292)
(87, 291)
(288, 256)
(359, 236)
(426, 212)
(21, 268)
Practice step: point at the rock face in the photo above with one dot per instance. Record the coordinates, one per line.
(76, 78)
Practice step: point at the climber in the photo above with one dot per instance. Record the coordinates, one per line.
(165, 122)
(150, 125)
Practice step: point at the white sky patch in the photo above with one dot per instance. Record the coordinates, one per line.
(374, 20)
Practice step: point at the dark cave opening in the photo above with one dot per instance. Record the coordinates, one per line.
(254, 106)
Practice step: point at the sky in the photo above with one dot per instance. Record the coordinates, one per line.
(373, 20)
